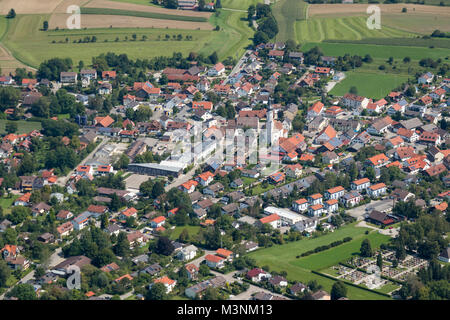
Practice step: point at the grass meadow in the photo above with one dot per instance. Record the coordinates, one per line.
(283, 257)
(31, 46)
(374, 85)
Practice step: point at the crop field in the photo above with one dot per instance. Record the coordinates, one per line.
(239, 4)
(234, 35)
(32, 46)
(287, 12)
(414, 42)
(379, 51)
(349, 28)
(300, 269)
(142, 14)
(372, 85)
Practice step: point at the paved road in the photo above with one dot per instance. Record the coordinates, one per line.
(388, 232)
(237, 68)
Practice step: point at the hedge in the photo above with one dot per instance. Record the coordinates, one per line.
(325, 247)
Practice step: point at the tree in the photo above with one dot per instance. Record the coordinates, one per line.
(380, 261)
(211, 294)
(158, 291)
(5, 273)
(366, 249)
(157, 189)
(45, 25)
(23, 291)
(201, 5)
(11, 14)
(122, 248)
(214, 58)
(184, 235)
(11, 127)
(339, 290)
(353, 90)
(204, 270)
(164, 246)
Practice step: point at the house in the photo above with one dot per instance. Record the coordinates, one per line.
(128, 213)
(65, 267)
(273, 220)
(380, 126)
(377, 190)
(378, 161)
(65, 229)
(278, 281)
(306, 225)
(294, 170)
(354, 101)
(187, 253)
(351, 198)
(158, 222)
(230, 209)
(168, 283)
(277, 178)
(315, 210)
(68, 77)
(217, 70)
(316, 198)
(445, 255)
(103, 121)
(315, 110)
(331, 205)
(334, 193)
(380, 218)
(136, 238)
(426, 78)
(188, 186)
(40, 208)
(237, 183)
(214, 189)
(23, 200)
(300, 205)
(321, 295)
(105, 88)
(257, 275)
(46, 237)
(430, 138)
(226, 254)
(109, 75)
(214, 261)
(96, 210)
(90, 74)
(297, 287)
(326, 135)
(81, 221)
(192, 271)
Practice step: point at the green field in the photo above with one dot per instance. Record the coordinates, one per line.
(31, 46)
(142, 2)
(414, 42)
(192, 230)
(350, 28)
(239, 4)
(283, 257)
(287, 12)
(371, 85)
(6, 203)
(234, 35)
(22, 126)
(378, 51)
(142, 14)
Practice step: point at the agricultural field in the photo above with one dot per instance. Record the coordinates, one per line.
(287, 12)
(418, 18)
(379, 51)
(300, 269)
(239, 4)
(374, 85)
(32, 46)
(349, 28)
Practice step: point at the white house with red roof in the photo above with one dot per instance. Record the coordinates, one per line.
(377, 190)
(217, 70)
(300, 205)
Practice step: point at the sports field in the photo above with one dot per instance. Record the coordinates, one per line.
(371, 85)
(283, 257)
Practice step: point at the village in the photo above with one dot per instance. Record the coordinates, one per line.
(163, 194)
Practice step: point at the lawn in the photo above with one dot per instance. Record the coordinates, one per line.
(6, 203)
(283, 257)
(31, 46)
(141, 2)
(192, 230)
(349, 28)
(378, 51)
(372, 85)
(22, 126)
(287, 12)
